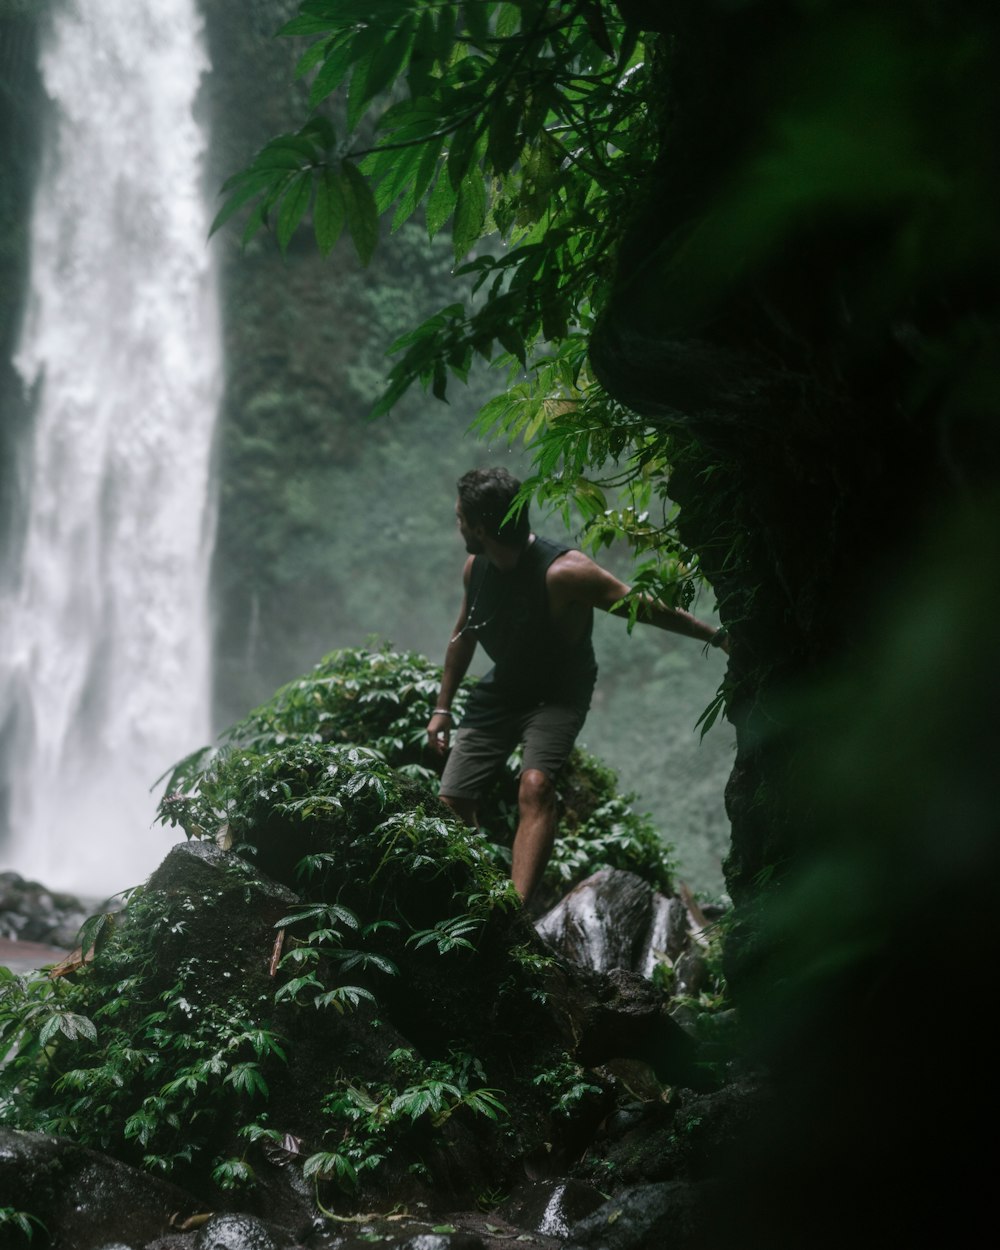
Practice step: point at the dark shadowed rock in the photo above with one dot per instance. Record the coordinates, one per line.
(667, 1215)
(682, 1139)
(86, 1200)
(622, 1015)
(31, 913)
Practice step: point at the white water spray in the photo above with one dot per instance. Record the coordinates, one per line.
(104, 623)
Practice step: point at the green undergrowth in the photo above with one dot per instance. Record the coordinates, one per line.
(380, 699)
(331, 969)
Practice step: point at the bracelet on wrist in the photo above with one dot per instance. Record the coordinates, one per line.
(718, 638)
(441, 711)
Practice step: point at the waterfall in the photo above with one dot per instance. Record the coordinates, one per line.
(104, 619)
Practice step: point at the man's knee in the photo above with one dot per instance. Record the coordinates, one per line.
(536, 789)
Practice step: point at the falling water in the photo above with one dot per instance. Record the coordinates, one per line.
(104, 628)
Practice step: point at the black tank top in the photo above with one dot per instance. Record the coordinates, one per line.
(509, 615)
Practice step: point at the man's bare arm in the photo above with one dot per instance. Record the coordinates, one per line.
(576, 579)
(457, 658)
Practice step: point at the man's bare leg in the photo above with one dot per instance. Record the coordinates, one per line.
(536, 831)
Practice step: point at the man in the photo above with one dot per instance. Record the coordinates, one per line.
(530, 602)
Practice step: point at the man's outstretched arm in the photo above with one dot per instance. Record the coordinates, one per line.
(575, 579)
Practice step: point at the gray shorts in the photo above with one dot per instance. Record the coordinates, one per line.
(548, 733)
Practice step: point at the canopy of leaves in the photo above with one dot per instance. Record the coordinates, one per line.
(526, 127)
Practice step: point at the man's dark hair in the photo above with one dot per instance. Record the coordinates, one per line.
(486, 496)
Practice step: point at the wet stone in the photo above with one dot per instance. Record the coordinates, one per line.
(443, 1241)
(551, 1207)
(234, 1232)
(603, 922)
(666, 1214)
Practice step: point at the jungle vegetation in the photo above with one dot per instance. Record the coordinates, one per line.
(740, 257)
(333, 527)
(337, 958)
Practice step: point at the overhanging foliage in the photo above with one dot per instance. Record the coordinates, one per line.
(525, 128)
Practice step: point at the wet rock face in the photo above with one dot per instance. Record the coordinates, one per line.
(610, 933)
(31, 913)
(551, 1207)
(615, 919)
(86, 1200)
(668, 1214)
(234, 1232)
(443, 1241)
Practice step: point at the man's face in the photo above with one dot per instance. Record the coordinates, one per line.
(472, 538)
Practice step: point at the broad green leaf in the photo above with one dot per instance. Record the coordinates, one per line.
(334, 69)
(389, 60)
(477, 20)
(322, 128)
(236, 201)
(307, 25)
(462, 150)
(247, 177)
(441, 203)
(312, 56)
(293, 206)
(278, 158)
(368, 44)
(401, 172)
(417, 121)
(302, 144)
(422, 58)
(329, 211)
(329, 1164)
(470, 213)
(92, 930)
(508, 20)
(511, 340)
(395, 391)
(70, 1025)
(444, 32)
(362, 215)
(439, 383)
(429, 157)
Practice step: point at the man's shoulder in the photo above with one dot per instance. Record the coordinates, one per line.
(569, 564)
